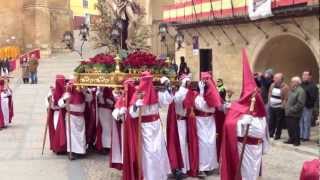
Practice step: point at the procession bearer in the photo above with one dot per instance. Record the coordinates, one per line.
(146, 103)
(206, 103)
(74, 101)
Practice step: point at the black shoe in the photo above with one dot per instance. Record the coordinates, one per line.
(179, 175)
(202, 175)
(212, 172)
(72, 157)
(288, 142)
(277, 138)
(296, 144)
(305, 140)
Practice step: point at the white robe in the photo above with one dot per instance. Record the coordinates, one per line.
(5, 106)
(155, 161)
(179, 97)
(117, 143)
(206, 130)
(253, 153)
(105, 119)
(77, 123)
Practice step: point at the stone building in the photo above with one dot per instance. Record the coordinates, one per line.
(35, 23)
(288, 42)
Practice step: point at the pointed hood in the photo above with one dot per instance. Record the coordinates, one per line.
(59, 88)
(249, 88)
(211, 95)
(77, 97)
(146, 86)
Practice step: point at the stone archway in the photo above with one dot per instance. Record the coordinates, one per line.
(289, 55)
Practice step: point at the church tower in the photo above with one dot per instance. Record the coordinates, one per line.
(36, 25)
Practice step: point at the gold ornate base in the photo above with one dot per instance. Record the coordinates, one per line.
(113, 80)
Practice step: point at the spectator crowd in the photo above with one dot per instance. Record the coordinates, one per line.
(293, 106)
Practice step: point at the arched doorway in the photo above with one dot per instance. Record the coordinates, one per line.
(289, 55)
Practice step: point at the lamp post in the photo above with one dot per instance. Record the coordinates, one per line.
(68, 39)
(163, 30)
(179, 39)
(84, 32)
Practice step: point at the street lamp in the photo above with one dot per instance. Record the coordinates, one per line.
(163, 30)
(179, 39)
(68, 39)
(84, 31)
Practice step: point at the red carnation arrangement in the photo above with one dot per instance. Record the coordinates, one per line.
(139, 59)
(102, 59)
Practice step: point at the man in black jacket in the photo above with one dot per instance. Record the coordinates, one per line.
(312, 101)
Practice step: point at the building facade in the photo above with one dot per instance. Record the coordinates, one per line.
(287, 42)
(83, 11)
(35, 24)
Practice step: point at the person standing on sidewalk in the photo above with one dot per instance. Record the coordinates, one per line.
(278, 95)
(293, 110)
(25, 71)
(312, 97)
(33, 69)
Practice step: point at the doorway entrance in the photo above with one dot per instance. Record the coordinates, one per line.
(205, 60)
(289, 55)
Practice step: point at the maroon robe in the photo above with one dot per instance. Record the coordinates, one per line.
(130, 149)
(173, 143)
(11, 111)
(1, 116)
(193, 144)
(91, 120)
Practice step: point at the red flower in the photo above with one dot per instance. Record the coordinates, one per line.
(139, 59)
(102, 59)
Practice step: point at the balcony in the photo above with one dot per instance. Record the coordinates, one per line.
(216, 12)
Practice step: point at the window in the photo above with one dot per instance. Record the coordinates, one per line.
(85, 3)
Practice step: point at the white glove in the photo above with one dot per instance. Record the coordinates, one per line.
(99, 93)
(123, 111)
(109, 101)
(227, 105)
(66, 96)
(139, 103)
(201, 86)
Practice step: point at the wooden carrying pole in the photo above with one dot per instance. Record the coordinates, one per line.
(46, 127)
(69, 131)
(244, 143)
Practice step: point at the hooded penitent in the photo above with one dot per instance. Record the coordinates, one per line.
(57, 135)
(130, 150)
(229, 150)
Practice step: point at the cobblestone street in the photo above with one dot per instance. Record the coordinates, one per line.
(20, 147)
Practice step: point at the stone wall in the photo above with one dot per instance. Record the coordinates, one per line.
(35, 23)
(60, 22)
(11, 22)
